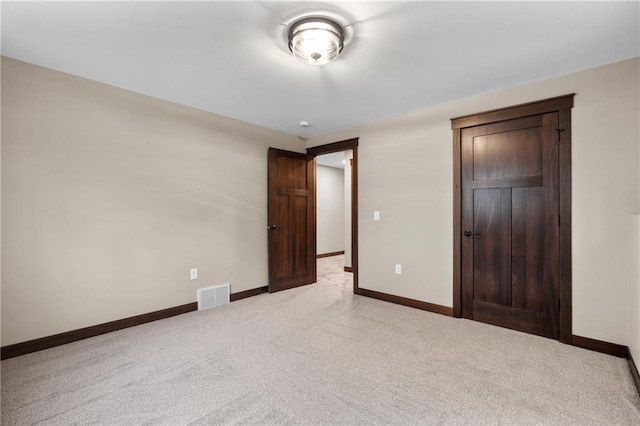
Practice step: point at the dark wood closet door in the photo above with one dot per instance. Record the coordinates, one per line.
(510, 224)
(291, 227)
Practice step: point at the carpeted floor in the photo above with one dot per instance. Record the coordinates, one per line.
(317, 355)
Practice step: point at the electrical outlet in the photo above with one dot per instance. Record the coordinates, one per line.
(398, 269)
(376, 215)
(194, 273)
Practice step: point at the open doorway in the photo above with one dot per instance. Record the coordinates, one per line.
(333, 206)
(333, 217)
(336, 204)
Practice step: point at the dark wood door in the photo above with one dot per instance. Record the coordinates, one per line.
(292, 224)
(510, 224)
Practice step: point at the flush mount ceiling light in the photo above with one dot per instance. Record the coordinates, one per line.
(316, 40)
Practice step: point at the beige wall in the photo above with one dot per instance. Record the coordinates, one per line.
(348, 156)
(0, 197)
(110, 197)
(405, 171)
(634, 295)
(329, 209)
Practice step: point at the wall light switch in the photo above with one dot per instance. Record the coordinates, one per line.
(398, 269)
(194, 273)
(376, 215)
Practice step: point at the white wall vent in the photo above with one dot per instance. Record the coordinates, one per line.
(213, 296)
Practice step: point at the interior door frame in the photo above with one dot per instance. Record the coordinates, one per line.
(345, 145)
(562, 105)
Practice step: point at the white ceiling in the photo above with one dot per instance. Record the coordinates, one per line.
(230, 58)
(335, 160)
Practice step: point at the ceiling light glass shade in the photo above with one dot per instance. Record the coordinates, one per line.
(316, 41)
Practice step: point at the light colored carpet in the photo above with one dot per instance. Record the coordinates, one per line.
(317, 355)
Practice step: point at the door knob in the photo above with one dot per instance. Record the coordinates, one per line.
(271, 227)
(469, 234)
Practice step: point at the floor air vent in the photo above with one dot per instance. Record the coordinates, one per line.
(213, 296)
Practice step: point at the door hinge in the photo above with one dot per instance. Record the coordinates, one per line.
(559, 133)
(558, 220)
(558, 304)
